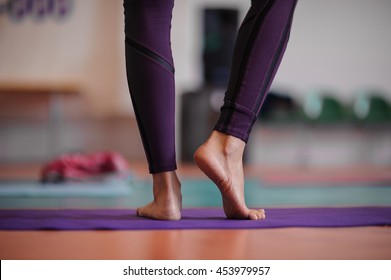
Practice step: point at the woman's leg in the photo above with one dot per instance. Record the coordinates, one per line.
(259, 48)
(150, 74)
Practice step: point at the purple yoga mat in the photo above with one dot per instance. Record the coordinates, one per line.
(191, 219)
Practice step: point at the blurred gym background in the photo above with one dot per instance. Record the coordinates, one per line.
(63, 86)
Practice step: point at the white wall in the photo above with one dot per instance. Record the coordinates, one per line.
(85, 49)
(339, 44)
(342, 45)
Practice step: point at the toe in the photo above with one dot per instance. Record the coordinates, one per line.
(259, 214)
(252, 216)
(262, 214)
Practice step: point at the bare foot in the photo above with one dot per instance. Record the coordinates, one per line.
(167, 202)
(221, 159)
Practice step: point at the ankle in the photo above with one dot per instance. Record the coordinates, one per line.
(162, 178)
(166, 183)
(229, 144)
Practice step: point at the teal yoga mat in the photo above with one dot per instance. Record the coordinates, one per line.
(196, 193)
(97, 188)
(205, 194)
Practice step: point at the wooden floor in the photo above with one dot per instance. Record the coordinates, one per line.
(284, 243)
(292, 243)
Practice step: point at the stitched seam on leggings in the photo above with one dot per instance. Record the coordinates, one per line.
(247, 21)
(154, 56)
(276, 57)
(142, 131)
(246, 56)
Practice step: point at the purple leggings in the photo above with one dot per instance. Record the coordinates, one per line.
(259, 47)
